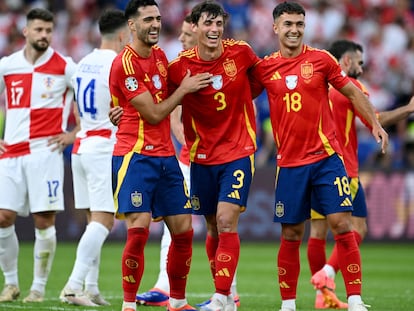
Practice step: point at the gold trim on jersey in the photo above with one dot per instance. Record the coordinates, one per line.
(250, 129)
(196, 141)
(120, 179)
(328, 147)
(349, 124)
(140, 141)
(127, 63)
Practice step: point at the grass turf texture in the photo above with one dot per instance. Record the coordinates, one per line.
(388, 277)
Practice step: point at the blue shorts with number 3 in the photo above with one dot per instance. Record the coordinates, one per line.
(228, 182)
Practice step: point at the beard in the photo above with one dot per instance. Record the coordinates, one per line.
(40, 46)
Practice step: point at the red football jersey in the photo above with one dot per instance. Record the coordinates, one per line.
(132, 75)
(219, 121)
(344, 115)
(297, 88)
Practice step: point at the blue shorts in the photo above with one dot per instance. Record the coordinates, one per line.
(324, 181)
(358, 200)
(228, 182)
(149, 184)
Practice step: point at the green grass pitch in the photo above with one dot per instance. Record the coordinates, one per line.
(388, 274)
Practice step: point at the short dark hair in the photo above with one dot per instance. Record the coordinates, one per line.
(133, 6)
(289, 8)
(340, 47)
(39, 13)
(111, 20)
(187, 19)
(212, 9)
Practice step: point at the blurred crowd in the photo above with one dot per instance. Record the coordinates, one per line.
(383, 27)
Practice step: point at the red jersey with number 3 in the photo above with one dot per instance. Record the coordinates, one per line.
(132, 75)
(297, 88)
(219, 121)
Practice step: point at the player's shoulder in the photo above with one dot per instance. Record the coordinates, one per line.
(14, 58)
(238, 44)
(320, 54)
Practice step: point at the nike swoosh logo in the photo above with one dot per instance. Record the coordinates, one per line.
(14, 83)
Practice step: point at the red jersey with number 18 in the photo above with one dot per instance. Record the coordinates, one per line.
(297, 88)
(132, 75)
(219, 121)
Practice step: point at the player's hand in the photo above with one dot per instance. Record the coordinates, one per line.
(2, 146)
(115, 114)
(61, 141)
(381, 137)
(192, 84)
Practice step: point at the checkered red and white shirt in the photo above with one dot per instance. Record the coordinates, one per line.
(38, 100)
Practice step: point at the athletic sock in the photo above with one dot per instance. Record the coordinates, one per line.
(350, 262)
(9, 253)
(133, 262)
(227, 258)
(316, 254)
(288, 268)
(44, 253)
(179, 261)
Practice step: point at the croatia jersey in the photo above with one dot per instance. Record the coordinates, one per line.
(91, 85)
(132, 75)
(344, 115)
(297, 89)
(35, 95)
(219, 121)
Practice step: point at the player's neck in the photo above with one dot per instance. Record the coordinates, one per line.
(142, 49)
(208, 54)
(31, 54)
(289, 52)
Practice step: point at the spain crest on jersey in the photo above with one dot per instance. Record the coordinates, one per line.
(306, 70)
(230, 68)
(136, 199)
(161, 68)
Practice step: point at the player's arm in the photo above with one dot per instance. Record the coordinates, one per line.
(153, 113)
(176, 125)
(366, 110)
(61, 141)
(390, 117)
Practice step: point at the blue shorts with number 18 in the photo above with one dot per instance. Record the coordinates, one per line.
(324, 182)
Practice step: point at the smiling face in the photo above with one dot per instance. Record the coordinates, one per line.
(290, 29)
(146, 25)
(209, 31)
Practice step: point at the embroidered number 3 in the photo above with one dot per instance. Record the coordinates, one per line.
(221, 98)
(293, 102)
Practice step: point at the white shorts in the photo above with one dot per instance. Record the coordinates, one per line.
(185, 169)
(92, 182)
(32, 183)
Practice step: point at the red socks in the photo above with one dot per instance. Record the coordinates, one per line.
(133, 262)
(316, 254)
(288, 268)
(178, 263)
(349, 260)
(226, 260)
(211, 248)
